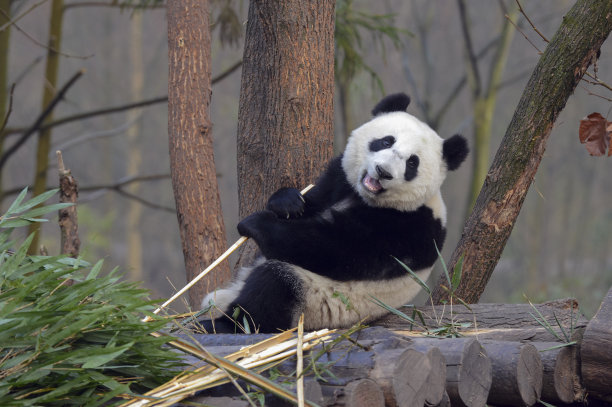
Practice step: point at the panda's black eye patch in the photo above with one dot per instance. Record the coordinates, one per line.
(381, 143)
(412, 166)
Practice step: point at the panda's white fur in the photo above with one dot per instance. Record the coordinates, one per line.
(333, 279)
(413, 137)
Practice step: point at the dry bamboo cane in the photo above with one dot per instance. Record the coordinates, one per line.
(214, 264)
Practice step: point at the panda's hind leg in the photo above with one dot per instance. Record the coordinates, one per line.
(270, 299)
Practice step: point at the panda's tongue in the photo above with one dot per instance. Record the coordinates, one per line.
(371, 184)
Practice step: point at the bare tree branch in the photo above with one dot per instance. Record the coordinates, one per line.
(37, 124)
(115, 5)
(4, 26)
(8, 112)
(116, 187)
(144, 201)
(40, 44)
(118, 109)
(518, 3)
(73, 142)
(471, 55)
(125, 181)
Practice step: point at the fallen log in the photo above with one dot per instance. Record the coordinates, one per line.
(517, 373)
(357, 393)
(222, 401)
(561, 380)
(596, 353)
(400, 371)
(508, 322)
(468, 369)
(404, 375)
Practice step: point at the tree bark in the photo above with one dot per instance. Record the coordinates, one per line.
(505, 322)
(517, 373)
(285, 125)
(596, 352)
(68, 219)
(566, 59)
(192, 164)
(561, 382)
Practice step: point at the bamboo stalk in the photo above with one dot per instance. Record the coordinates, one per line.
(257, 357)
(214, 264)
(300, 362)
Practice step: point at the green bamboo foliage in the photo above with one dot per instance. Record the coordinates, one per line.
(83, 344)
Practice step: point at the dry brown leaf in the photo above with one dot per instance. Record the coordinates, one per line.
(595, 133)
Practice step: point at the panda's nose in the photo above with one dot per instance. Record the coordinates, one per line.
(382, 173)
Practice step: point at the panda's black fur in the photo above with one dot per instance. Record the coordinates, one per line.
(327, 253)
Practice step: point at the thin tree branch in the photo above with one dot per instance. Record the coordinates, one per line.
(501, 54)
(126, 181)
(472, 62)
(94, 113)
(117, 109)
(37, 124)
(8, 112)
(5, 25)
(117, 187)
(226, 73)
(40, 44)
(115, 5)
(595, 81)
(452, 96)
(120, 184)
(144, 201)
(524, 35)
(72, 142)
(530, 22)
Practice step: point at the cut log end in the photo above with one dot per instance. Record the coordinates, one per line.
(475, 376)
(517, 373)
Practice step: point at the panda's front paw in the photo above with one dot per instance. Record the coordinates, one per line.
(252, 225)
(286, 203)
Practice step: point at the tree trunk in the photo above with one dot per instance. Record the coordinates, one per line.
(68, 217)
(504, 322)
(285, 125)
(596, 352)
(5, 35)
(49, 88)
(192, 164)
(566, 59)
(134, 148)
(484, 107)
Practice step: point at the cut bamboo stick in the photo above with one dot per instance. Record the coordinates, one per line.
(208, 269)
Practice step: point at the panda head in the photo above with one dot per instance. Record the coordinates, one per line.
(396, 161)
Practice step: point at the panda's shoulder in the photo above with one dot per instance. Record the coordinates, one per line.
(334, 180)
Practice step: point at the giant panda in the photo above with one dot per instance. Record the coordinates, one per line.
(330, 252)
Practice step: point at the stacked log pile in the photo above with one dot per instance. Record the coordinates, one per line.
(507, 357)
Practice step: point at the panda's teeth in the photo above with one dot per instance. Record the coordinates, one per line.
(371, 184)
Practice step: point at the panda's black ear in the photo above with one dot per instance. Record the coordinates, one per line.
(454, 151)
(397, 102)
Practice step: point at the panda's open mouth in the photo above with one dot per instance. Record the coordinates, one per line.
(371, 184)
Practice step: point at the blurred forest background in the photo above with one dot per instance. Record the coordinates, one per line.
(560, 245)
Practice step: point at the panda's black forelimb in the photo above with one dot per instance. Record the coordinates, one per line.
(287, 203)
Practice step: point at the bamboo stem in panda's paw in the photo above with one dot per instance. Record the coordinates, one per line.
(208, 269)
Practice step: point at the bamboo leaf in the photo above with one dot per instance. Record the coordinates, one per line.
(15, 205)
(106, 355)
(37, 200)
(414, 276)
(457, 270)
